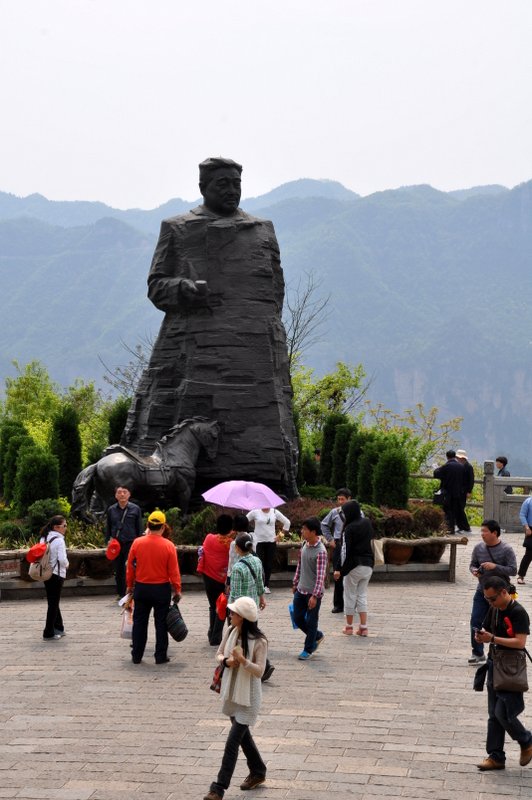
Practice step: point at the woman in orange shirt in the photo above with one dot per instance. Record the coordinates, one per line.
(152, 573)
(212, 564)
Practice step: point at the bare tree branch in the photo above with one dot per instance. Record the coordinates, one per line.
(305, 314)
(125, 378)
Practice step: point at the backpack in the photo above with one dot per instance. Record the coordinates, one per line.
(42, 569)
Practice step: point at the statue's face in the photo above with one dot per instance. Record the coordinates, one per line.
(222, 193)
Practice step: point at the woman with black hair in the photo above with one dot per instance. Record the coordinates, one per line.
(356, 566)
(212, 564)
(243, 653)
(53, 533)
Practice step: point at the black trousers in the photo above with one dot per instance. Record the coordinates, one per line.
(54, 620)
(338, 593)
(266, 553)
(452, 508)
(525, 562)
(146, 597)
(120, 567)
(461, 517)
(239, 736)
(216, 625)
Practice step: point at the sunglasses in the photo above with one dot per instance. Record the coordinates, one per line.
(492, 598)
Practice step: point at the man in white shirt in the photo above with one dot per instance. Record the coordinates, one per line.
(265, 537)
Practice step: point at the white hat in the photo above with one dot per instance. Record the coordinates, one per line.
(461, 454)
(245, 607)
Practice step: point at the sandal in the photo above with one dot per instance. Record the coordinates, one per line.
(362, 631)
(348, 630)
(520, 580)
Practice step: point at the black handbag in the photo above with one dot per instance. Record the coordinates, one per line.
(176, 624)
(509, 670)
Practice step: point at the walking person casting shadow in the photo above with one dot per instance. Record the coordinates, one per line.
(243, 653)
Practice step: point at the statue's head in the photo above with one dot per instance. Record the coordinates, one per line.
(220, 185)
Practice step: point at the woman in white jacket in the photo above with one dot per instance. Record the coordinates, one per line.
(265, 537)
(243, 653)
(53, 533)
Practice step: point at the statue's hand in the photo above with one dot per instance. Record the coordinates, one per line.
(188, 289)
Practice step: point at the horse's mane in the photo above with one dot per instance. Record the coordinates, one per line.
(181, 426)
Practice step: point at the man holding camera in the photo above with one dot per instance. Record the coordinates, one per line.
(490, 557)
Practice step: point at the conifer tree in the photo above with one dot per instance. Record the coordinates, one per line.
(8, 428)
(37, 478)
(117, 418)
(65, 444)
(339, 455)
(327, 445)
(390, 479)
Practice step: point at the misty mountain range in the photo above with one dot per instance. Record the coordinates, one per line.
(429, 290)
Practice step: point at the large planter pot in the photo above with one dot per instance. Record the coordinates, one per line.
(429, 553)
(397, 554)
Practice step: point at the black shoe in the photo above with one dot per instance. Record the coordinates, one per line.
(336, 610)
(162, 660)
(136, 660)
(268, 672)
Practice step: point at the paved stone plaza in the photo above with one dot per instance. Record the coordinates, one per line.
(389, 716)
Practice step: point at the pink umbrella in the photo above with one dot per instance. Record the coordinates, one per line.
(242, 494)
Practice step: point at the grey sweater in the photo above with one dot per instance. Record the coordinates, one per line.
(501, 554)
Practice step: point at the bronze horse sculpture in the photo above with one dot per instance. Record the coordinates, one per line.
(166, 477)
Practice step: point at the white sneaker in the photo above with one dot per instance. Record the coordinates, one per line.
(477, 660)
(266, 590)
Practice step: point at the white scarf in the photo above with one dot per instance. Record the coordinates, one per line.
(236, 682)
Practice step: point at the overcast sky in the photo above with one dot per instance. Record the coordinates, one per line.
(118, 100)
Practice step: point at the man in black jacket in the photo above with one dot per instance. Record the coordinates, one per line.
(469, 482)
(451, 475)
(123, 522)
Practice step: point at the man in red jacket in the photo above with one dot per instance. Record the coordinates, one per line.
(152, 573)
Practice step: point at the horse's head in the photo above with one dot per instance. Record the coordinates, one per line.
(207, 432)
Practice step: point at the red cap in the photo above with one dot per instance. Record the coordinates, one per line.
(113, 549)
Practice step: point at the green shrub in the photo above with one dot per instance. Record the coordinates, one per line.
(342, 438)
(366, 465)
(118, 418)
(17, 443)
(328, 433)
(356, 445)
(41, 511)
(65, 444)
(8, 428)
(375, 516)
(309, 469)
(37, 478)
(81, 536)
(13, 535)
(319, 492)
(390, 479)
(197, 527)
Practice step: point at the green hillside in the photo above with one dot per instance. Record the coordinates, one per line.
(428, 289)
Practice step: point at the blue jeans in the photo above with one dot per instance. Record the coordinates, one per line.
(503, 710)
(306, 619)
(239, 736)
(478, 614)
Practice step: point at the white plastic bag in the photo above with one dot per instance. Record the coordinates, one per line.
(126, 628)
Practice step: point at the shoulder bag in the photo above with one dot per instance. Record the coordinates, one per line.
(509, 670)
(509, 667)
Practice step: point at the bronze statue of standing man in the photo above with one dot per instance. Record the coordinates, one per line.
(221, 352)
